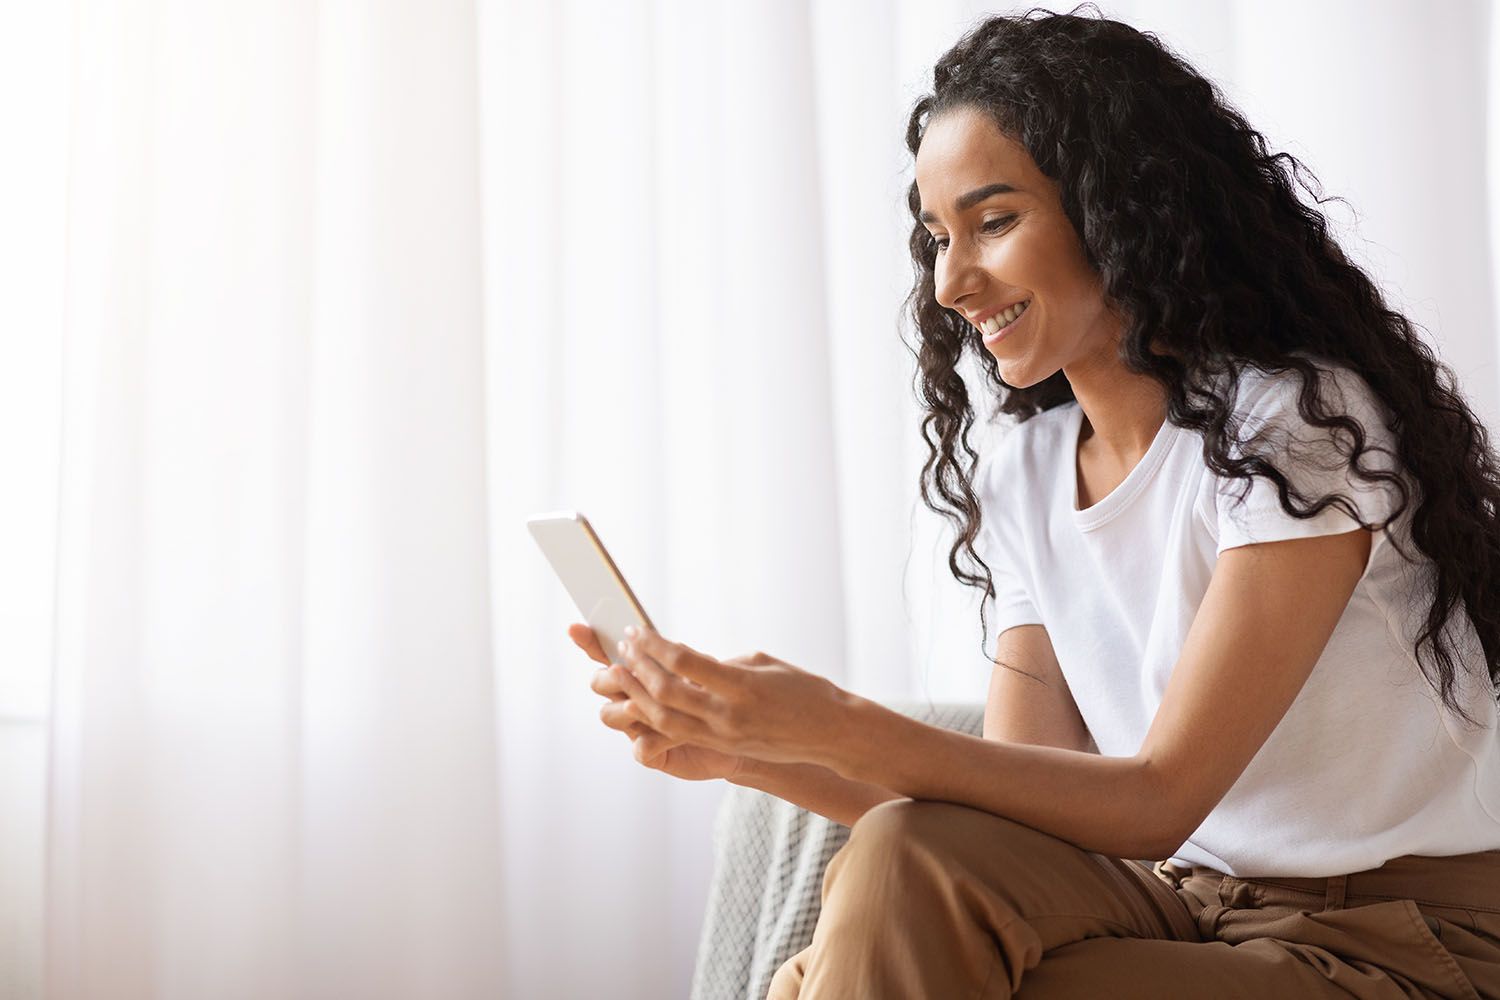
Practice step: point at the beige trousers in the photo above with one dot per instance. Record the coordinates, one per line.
(934, 899)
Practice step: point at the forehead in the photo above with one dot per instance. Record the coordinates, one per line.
(962, 150)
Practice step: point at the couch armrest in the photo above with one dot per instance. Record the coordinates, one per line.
(766, 890)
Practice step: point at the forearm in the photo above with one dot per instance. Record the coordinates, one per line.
(1110, 805)
(814, 787)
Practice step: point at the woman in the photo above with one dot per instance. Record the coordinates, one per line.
(1243, 554)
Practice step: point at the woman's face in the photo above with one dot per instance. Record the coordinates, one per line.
(1007, 246)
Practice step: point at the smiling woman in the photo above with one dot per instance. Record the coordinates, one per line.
(1244, 516)
(1148, 295)
(999, 246)
(1240, 550)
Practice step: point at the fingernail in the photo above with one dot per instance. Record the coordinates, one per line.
(630, 631)
(620, 645)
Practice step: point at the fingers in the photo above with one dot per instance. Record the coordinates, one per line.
(683, 660)
(619, 713)
(648, 749)
(665, 686)
(606, 681)
(584, 638)
(631, 708)
(679, 726)
(625, 716)
(622, 715)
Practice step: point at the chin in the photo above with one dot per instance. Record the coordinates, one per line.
(1017, 375)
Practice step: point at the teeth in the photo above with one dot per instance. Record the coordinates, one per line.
(1003, 318)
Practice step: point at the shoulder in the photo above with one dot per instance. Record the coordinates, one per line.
(1268, 410)
(1025, 450)
(1037, 435)
(1266, 391)
(1314, 461)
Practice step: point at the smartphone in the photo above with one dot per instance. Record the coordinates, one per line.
(590, 576)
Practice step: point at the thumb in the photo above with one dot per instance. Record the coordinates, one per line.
(584, 638)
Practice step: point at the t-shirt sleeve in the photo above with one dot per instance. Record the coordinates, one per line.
(1012, 604)
(998, 543)
(1315, 461)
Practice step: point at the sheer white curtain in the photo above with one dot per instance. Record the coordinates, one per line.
(273, 752)
(309, 305)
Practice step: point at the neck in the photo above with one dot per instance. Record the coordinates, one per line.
(1122, 411)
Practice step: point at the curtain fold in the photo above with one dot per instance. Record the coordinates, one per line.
(273, 768)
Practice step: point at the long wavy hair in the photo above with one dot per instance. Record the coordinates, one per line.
(1204, 248)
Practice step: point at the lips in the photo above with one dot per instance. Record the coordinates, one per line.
(979, 318)
(1004, 331)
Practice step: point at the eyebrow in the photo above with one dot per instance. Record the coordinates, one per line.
(974, 197)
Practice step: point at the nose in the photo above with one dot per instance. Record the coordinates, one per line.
(955, 276)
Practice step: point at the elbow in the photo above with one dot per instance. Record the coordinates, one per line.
(1176, 827)
(1161, 844)
(1175, 819)
(1164, 849)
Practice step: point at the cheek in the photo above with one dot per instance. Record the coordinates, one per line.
(1025, 259)
(1063, 281)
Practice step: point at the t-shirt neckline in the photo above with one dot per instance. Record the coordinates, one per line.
(1135, 481)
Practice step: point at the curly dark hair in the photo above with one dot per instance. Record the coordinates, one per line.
(1205, 250)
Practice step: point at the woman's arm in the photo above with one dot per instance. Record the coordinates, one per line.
(814, 787)
(1028, 702)
(1112, 805)
(1261, 628)
(814, 744)
(1269, 611)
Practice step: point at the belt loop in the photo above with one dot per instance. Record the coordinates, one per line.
(1336, 887)
(1170, 873)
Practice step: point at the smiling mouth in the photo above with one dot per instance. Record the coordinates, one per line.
(996, 327)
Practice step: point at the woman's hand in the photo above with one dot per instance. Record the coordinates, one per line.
(754, 706)
(651, 749)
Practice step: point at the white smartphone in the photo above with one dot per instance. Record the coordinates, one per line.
(590, 576)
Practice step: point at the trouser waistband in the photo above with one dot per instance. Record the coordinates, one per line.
(1471, 880)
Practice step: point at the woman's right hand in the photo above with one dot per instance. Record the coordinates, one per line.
(687, 761)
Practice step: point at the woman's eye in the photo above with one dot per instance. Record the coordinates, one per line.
(992, 226)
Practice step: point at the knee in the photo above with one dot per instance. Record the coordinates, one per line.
(881, 816)
(893, 849)
(885, 835)
(893, 817)
(926, 829)
(907, 822)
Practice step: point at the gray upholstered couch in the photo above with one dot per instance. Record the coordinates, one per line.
(766, 891)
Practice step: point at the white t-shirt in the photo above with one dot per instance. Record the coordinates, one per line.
(1364, 766)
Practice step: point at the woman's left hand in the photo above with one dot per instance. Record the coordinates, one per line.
(755, 705)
